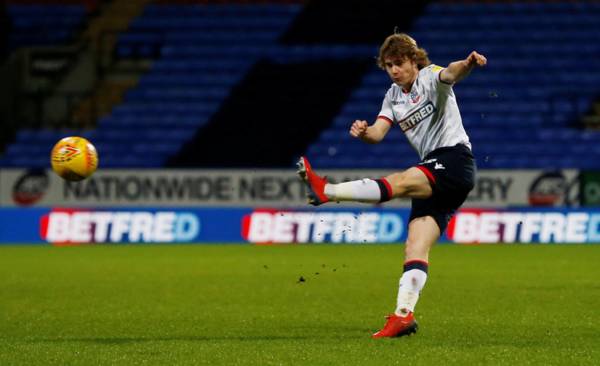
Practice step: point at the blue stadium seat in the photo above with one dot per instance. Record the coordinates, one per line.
(43, 24)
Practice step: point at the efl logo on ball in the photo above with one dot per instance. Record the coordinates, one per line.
(74, 158)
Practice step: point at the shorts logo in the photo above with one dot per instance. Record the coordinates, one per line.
(416, 117)
(438, 166)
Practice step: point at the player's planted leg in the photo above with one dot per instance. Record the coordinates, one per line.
(397, 326)
(423, 232)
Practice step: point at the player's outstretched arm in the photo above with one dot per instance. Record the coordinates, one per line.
(458, 70)
(370, 134)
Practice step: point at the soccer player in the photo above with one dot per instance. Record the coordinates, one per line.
(422, 103)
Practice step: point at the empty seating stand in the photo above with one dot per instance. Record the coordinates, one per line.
(201, 51)
(44, 23)
(521, 111)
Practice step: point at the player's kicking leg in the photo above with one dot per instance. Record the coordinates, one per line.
(411, 183)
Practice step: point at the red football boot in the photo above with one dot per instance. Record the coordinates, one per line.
(315, 183)
(397, 326)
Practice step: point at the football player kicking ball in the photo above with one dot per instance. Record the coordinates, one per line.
(421, 101)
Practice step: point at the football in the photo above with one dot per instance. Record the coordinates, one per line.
(74, 158)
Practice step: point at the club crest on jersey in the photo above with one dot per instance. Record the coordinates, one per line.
(414, 97)
(417, 116)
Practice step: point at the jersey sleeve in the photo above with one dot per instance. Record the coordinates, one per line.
(435, 74)
(386, 109)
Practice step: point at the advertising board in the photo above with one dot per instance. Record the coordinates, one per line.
(590, 188)
(256, 188)
(61, 226)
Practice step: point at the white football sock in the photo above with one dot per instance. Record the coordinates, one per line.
(364, 190)
(411, 284)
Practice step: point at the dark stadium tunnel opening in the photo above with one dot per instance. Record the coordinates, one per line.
(273, 114)
(352, 21)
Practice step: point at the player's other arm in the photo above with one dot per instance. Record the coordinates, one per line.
(370, 134)
(458, 70)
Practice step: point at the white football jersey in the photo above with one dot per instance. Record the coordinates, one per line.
(428, 114)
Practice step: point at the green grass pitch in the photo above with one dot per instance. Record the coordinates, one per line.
(246, 305)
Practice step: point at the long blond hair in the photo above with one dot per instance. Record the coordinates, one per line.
(403, 46)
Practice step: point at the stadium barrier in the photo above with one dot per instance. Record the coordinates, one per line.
(60, 226)
(590, 188)
(256, 188)
(269, 206)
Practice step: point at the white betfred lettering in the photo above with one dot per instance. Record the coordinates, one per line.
(511, 223)
(120, 226)
(304, 222)
(593, 235)
(550, 227)
(367, 227)
(417, 117)
(163, 226)
(187, 227)
(141, 227)
(489, 227)
(102, 221)
(390, 228)
(343, 228)
(465, 228)
(302, 227)
(81, 227)
(58, 227)
(260, 227)
(553, 226)
(532, 223)
(283, 228)
(323, 226)
(576, 227)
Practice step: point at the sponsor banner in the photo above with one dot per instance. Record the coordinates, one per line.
(590, 188)
(60, 226)
(256, 188)
(526, 225)
(340, 226)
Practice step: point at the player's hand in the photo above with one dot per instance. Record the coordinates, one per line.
(476, 59)
(359, 128)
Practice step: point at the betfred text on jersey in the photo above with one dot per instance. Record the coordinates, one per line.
(417, 116)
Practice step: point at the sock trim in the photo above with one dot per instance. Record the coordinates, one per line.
(416, 264)
(385, 188)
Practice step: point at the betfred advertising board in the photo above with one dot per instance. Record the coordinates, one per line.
(208, 225)
(74, 226)
(525, 226)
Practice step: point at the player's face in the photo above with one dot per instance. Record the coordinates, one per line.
(401, 70)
